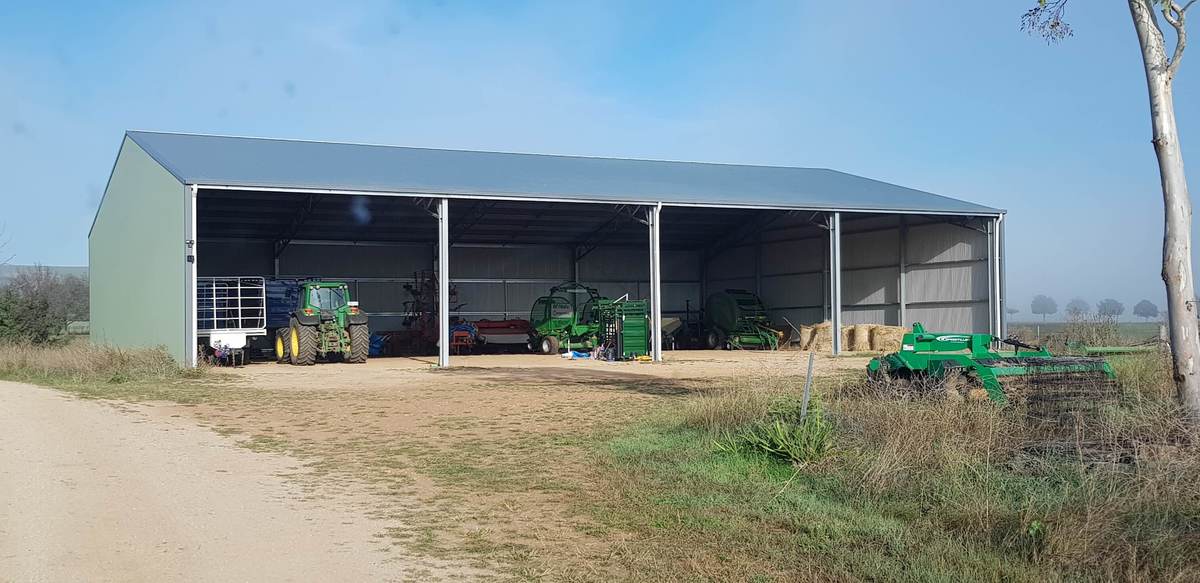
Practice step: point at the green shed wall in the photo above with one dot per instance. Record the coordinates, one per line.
(136, 257)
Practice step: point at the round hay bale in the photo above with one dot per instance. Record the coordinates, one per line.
(806, 334)
(821, 339)
(887, 338)
(860, 338)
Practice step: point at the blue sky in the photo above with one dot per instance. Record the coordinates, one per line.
(946, 96)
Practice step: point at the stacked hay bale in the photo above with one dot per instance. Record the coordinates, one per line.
(821, 338)
(859, 338)
(887, 338)
(855, 338)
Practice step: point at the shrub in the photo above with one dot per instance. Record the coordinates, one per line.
(28, 319)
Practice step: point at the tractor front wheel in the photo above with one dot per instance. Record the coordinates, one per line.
(303, 343)
(549, 345)
(282, 344)
(360, 344)
(715, 340)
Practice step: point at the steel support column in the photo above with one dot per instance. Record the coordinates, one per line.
(655, 215)
(1003, 280)
(902, 291)
(443, 267)
(835, 280)
(995, 301)
(192, 339)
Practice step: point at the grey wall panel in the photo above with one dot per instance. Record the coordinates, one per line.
(871, 286)
(793, 256)
(798, 316)
(380, 296)
(677, 295)
(511, 262)
(971, 318)
(220, 258)
(889, 315)
(873, 249)
(959, 282)
(740, 283)
(521, 297)
(735, 262)
(793, 290)
(351, 261)
(386, 323)
(617, 264)
(484, 297)
(944, 242)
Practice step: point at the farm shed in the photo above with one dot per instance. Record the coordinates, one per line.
(501, 228)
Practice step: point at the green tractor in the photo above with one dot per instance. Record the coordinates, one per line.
(574, 316)
(1026, 370)
(326, 322)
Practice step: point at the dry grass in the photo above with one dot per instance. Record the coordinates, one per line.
(102, 372)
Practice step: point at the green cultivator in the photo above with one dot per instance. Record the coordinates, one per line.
(1030, 371)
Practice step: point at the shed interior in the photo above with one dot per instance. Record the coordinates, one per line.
(897, 268)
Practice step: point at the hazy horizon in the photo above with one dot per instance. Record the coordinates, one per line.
(957, 102)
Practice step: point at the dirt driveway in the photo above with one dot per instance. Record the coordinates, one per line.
(93, 492)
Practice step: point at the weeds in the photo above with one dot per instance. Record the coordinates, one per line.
(103, 372)
(961, 489)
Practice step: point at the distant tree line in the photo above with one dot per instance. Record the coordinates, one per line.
(1044, 305)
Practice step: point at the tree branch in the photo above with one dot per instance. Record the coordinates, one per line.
(1178, 22)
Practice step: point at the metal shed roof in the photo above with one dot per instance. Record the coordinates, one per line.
(250, 163)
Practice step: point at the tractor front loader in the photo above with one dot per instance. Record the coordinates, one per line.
(326, 322)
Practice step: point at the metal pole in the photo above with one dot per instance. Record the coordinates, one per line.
(902, 292)
(655, 284)
(443, 250)
(835, 280)
(192, 339)
(997, 300)
(1003, 282)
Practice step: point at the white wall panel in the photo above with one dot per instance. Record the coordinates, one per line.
(889, 315)
(972, 318)
(871, 286)
(959, 282)
(873, 249)
(943, 242)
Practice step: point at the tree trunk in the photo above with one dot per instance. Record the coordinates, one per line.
(1177, 206)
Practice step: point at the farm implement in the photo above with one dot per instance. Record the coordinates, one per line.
(735, 319)
(1027, 372)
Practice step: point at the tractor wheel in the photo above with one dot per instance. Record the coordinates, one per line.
(282, 344)
(715, 340)
(303, 341)
(549, 345)
(360, 344)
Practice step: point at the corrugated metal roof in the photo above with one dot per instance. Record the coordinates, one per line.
(303, 165)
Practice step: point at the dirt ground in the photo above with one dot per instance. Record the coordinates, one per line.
(485, 462)
(392, 469)
(90, 492)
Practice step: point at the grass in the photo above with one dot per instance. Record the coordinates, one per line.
(916, 489)
(109, 373)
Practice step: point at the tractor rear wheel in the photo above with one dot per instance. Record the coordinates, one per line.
(282, 354)
(360, 344)
(303, 340)
(549, 345)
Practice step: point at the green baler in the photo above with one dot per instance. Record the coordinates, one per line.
(936, 355)
(736, 318)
